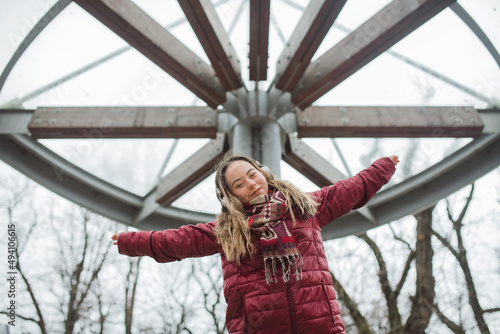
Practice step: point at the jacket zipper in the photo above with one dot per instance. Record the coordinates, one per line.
(245, 329)
(291, 308)
(328, 301)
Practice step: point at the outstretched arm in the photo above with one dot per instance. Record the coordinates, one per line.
(352, 193)
(169, 245)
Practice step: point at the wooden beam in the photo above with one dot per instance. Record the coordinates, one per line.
(409, 122)
(132, 24)
(305, 40)
(208, 28)
(196, 168)
(123, 122)
(309, 163)
(260, 11)
(379, 33)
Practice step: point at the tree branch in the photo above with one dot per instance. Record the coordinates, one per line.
(421, 313)
(41, 321)
(404, 275)
(492, 310)
(391, 299)
(449, 323)
(445, 243)
(396, 237)
(359, 320)
(461, 256)
(23, 317)
(216, 289)
(466, 206)
(130, 297)
(409, 260)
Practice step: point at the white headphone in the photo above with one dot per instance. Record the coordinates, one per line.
(267, 170)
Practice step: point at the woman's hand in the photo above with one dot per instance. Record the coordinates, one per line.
(115, 238)
(394, 159)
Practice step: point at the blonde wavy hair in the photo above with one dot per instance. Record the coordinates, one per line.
(232, 230)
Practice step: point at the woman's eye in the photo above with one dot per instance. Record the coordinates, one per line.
(252, 175)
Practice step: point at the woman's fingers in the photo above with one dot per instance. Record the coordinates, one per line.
(115, 238)
(394, 159)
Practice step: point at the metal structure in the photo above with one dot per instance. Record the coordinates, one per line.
(268, 125)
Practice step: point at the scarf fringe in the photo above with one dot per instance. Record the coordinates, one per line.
(292, 259)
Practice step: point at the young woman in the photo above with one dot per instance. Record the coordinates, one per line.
(276, 276)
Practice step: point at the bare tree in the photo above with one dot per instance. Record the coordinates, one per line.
(14, 204)
(421, 311)
(166, 298)
(208, 275)
(102, 307)
(131, 282)
(391, 295)
(83, 251)
(459, 252)
(76, 259)
(422, 255)
(360, 322)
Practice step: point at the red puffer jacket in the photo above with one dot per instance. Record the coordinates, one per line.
(299, 306)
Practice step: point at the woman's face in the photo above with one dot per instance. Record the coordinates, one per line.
(245, 181)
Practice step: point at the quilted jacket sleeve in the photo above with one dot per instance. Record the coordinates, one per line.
(350, 194)
(171, 245)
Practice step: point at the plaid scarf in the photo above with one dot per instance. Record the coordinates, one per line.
(265, 217)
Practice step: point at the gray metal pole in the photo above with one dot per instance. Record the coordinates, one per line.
(242, 139)
(270, 143)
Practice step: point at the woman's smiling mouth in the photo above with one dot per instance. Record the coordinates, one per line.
(255, 192)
